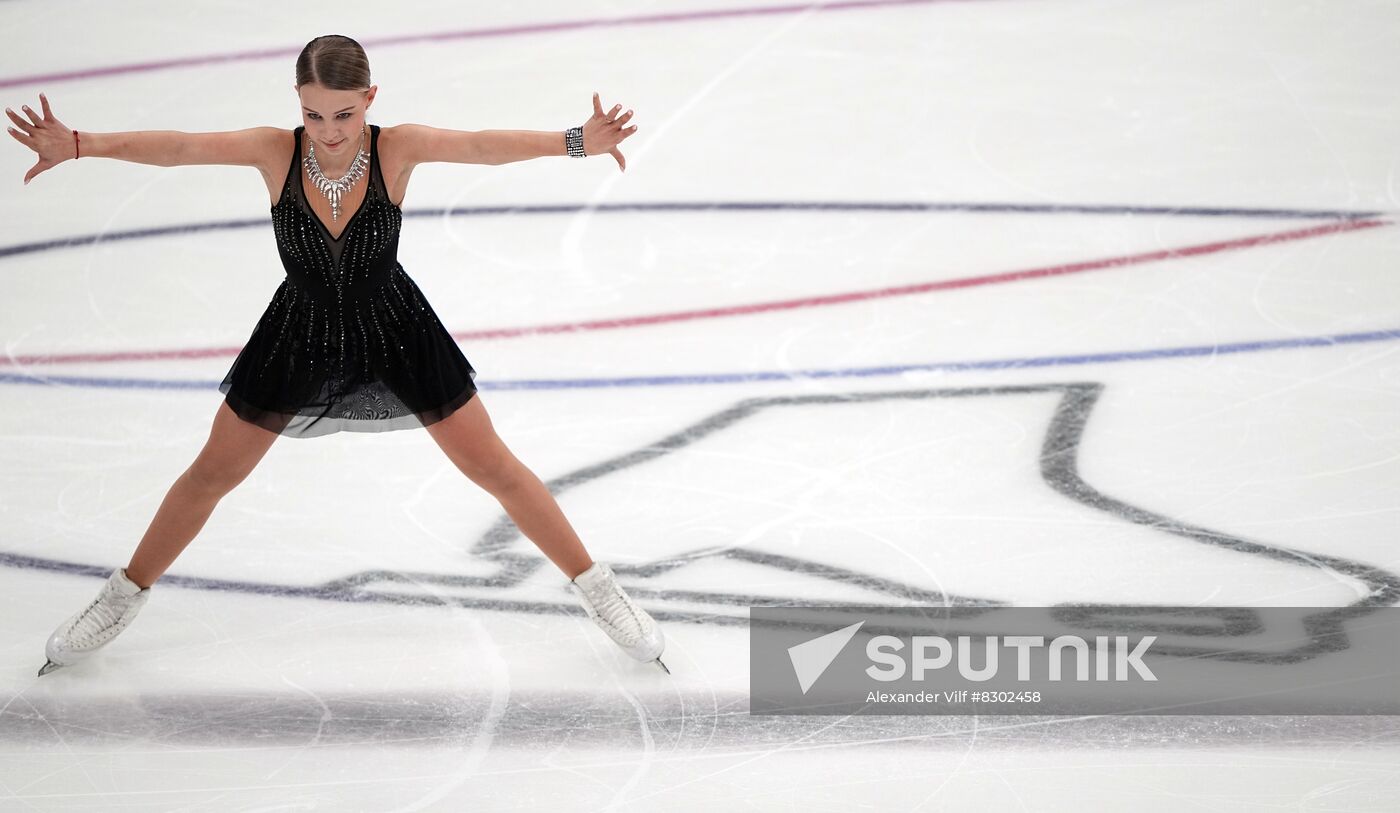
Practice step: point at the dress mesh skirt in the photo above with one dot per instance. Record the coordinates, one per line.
(396, 367)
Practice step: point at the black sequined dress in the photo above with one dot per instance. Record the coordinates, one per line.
(348, 342)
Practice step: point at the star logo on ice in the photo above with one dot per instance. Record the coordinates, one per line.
(811, 658)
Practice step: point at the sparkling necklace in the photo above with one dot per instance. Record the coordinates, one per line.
(334, 189)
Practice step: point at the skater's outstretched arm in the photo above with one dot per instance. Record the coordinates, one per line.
(602, 132)
(54, 143)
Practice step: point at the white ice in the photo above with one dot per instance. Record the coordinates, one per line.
(241, 688)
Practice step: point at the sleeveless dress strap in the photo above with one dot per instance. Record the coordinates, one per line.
(375, 170)
(296, 152)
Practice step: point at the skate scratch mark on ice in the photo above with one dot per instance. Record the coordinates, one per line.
(89, 285)
(685, 718)
(848, 297)
(410, 503)
(326, 717)
(74, 759)
(571, 247)
(648, 756)
(370, 714)
(934, 286)
(1277, 391)
(470, 33)
(757, 755)
(962, 762)
(480, 747)
(13, 792)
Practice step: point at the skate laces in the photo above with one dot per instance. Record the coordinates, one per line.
(617, 610)
(98, 617)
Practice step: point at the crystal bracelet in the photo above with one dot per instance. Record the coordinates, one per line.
(573, 142)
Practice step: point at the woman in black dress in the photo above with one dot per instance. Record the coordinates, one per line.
(348, 342)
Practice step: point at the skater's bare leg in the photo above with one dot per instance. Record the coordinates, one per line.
(228, 457)
(471, 443)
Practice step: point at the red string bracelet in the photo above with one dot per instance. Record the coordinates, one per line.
(75, 145)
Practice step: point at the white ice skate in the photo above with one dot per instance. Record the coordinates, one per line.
(613, 611)
(96, 625)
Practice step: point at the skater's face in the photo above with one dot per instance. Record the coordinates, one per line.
(334, 118)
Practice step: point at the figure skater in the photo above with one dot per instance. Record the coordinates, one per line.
(348, 343)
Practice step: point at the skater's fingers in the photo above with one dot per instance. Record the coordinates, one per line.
(33, 118)
(23, 125)
(21, 138)
(621, 162)
(34, 172)
(44, 102)
(597, 105)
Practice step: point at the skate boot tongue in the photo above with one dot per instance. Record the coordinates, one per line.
(123, 586)
(595, 578)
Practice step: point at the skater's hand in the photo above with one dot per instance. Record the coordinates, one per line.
(46, 136)
(604, 131)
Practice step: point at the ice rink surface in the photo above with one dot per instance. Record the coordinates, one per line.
(866, 262)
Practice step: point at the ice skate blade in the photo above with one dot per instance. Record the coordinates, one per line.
(49, 667)
(662, 665)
